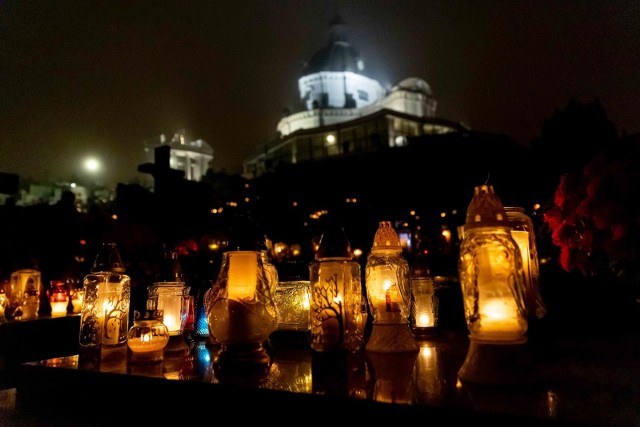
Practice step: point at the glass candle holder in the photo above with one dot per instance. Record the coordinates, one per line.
(4, 303)
(148, 337)
(173, 299)
(337, 318)
(491, 273)
(493, 282)
(58, 297)
(292, 299)
(77, 298)
(104, 318)
(424, 298)
(388, 282)
(25, 287)
(241, 312)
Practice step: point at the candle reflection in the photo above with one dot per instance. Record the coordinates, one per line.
(430, 381)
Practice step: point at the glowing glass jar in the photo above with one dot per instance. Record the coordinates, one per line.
(58, 297)
(25, 288)
(104, 318)
(148, 337)
(388, 282)
(337, 300)
(424, 297)
(4, 303)
(491, 273)
(173, 299)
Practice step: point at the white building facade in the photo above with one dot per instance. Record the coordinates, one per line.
(345, 111)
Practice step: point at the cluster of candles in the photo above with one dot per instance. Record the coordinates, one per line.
(246, 303)
(23, 299)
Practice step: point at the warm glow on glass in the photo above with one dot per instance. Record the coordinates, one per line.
(424, 315)
(522, 239)
(109, 320)
(243, 275)
(145, 344)
(77, 298)
(58, 298)
(292, 304)
(59, 308)
(172, 323)
(383, 290)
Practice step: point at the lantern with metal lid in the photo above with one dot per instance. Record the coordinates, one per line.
(337, 317)
(387, 278)
(241, 310)
(493, 282)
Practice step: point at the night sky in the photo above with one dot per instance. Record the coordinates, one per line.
(80, 78)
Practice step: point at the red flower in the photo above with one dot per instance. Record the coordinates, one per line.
(595, 219)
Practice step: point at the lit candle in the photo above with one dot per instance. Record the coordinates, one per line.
(499, 316)
(77, 298)
(424, 310)
(243, 275)
(147, 347)
(59, 308)
(110, 323)
(172, 323)
(147, 344)
(384, 292)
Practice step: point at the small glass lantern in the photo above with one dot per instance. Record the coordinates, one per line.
(104, 319)
(148, 337)
(424, 298)
(337, 316)
(76, 295)
(493, 282)
(25, 294)
(4, 303)
(58, 298)
(292, 297)
(387, 278)
(242, 313)
(292, 303)
(173, 299)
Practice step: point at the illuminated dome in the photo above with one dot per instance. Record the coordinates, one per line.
(414, 84)
(337, 55)
(334, 79)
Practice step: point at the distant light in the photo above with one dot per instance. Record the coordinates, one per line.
(331, 139)
(92, 165)
(72, 185)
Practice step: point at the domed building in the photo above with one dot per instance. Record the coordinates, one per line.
(345, 111)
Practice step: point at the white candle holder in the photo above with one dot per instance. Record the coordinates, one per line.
(493, 283)
(387, 278)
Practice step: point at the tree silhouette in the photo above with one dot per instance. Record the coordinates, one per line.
(568, 140)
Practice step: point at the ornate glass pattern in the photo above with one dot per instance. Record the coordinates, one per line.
(105, 312)
(240, 305)
(336, 305)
